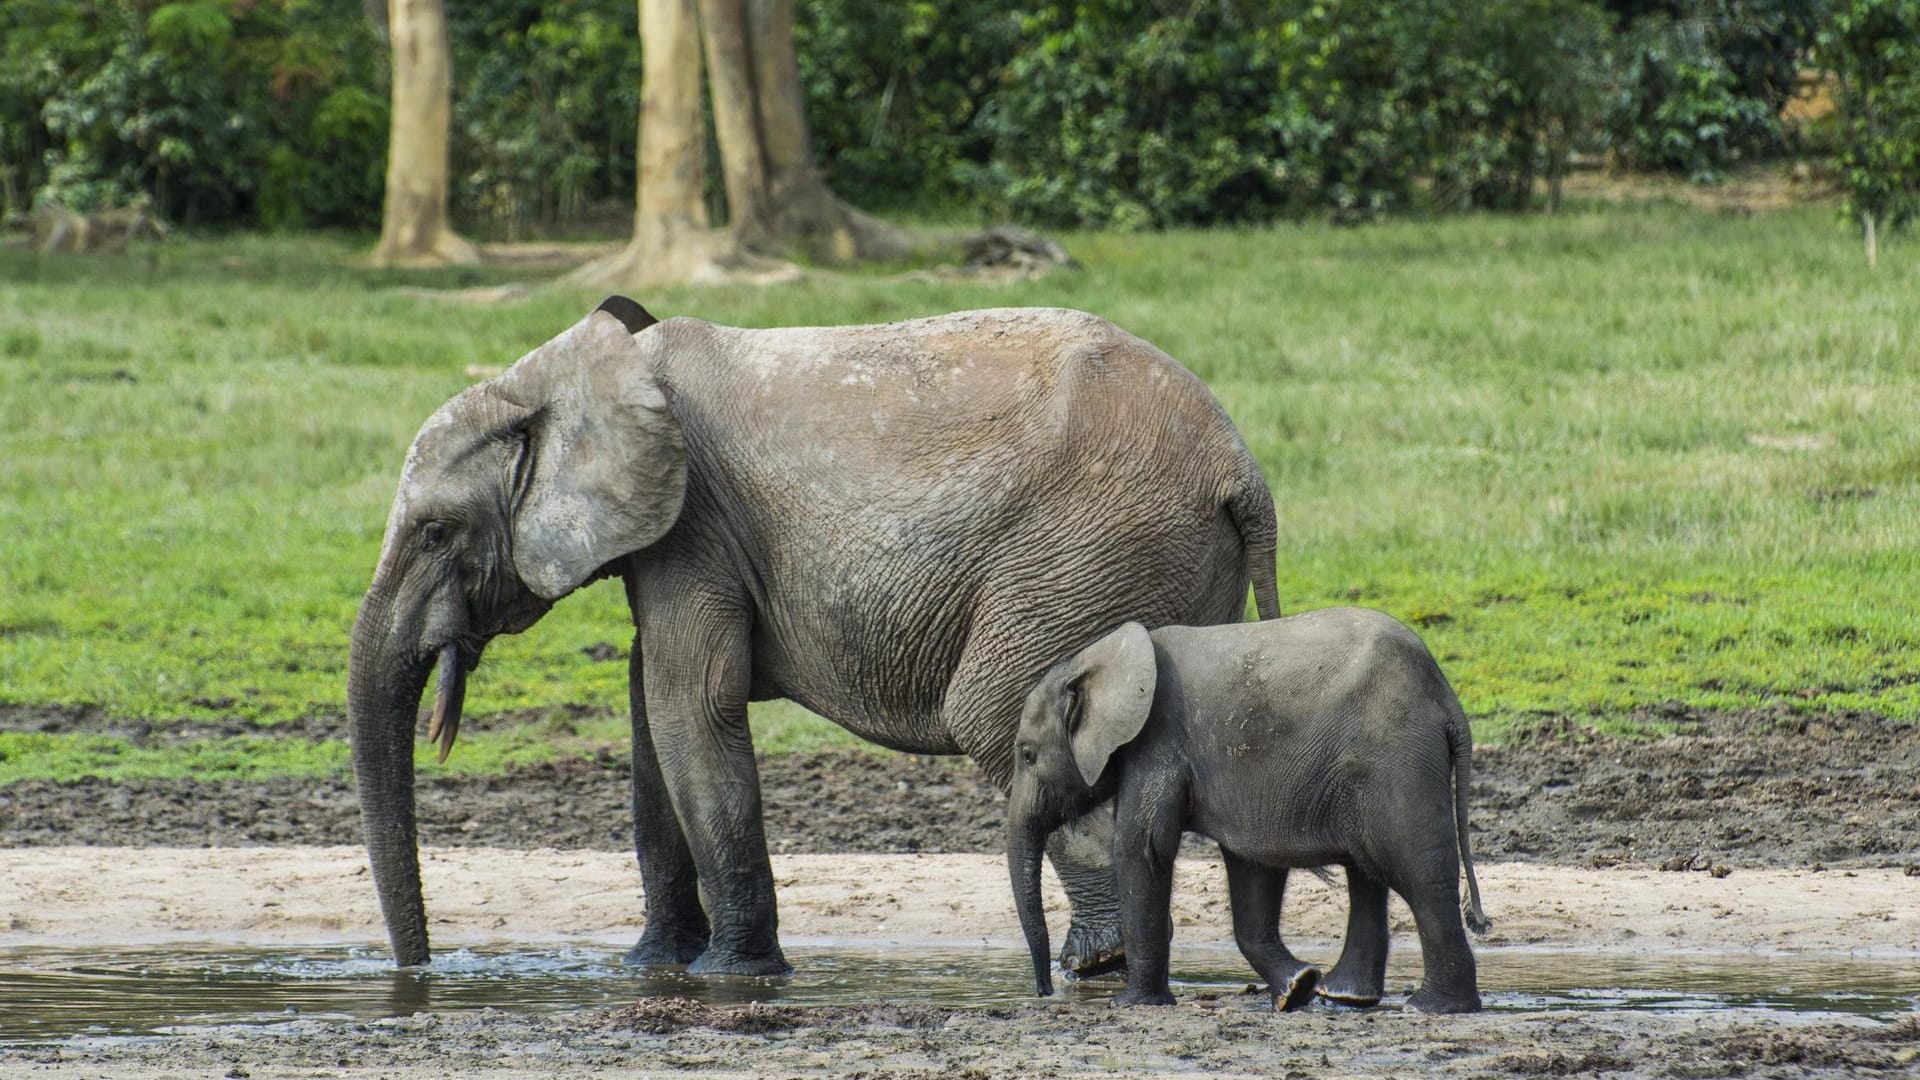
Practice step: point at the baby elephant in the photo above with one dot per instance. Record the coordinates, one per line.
(1327, 737)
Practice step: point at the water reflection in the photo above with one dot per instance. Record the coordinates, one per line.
(52, 993)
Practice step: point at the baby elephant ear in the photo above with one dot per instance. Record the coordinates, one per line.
(1116, 677)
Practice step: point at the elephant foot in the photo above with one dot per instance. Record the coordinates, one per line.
(1092, 949)
(1429, 1000)
(1136, 996)
(717, 961)
(1299, 989)
(663, 948)
(1335, 996)
(1339, 988)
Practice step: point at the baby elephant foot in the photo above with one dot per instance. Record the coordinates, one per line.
(1429, 1000)
(1341, 988)
(1135, 996)
(1298, 990)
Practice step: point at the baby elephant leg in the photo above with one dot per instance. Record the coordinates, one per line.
(1360, 976)
(1449, 982)
(1143, 877)
(1256, 893)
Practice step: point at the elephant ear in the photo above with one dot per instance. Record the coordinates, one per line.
(604, 469)
(1115, 678)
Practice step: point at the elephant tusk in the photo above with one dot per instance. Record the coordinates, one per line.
(448, 698)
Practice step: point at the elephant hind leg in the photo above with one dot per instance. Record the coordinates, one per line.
(1256, 894)
(1449, 981)
(1360, 975)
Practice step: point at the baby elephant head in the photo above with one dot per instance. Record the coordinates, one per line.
(1083, 710)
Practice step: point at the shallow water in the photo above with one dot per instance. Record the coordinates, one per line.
(53, 993)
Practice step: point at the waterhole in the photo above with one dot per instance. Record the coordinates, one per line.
(49, 993)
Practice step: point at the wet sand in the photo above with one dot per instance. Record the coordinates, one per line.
(314, 896)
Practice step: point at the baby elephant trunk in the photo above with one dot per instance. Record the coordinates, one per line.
(1025, 843)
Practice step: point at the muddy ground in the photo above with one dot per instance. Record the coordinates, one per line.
(1220, 1038)
(1738, 789)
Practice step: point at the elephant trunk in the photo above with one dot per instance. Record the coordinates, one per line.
(1026, 840)
(384, 682)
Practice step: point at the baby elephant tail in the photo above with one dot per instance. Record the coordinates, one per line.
(1460, 742)
(1251, 505)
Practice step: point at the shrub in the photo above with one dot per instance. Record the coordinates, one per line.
(1699, 84)
(894, 90)
(1117, 113)
(214, 111)
(1873, 48)
(546, 103)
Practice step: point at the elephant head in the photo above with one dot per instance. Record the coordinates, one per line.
(1083, 709)
(514, 493)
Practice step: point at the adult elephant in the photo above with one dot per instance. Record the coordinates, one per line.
(899, 527)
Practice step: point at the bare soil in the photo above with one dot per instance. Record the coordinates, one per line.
(1755, 189)
(1749, 789)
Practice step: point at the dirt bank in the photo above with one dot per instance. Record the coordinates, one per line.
(1746, 790)
(324, 895)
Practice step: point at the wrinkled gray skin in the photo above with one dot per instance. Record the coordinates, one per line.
(1328, 737)
(898, 527)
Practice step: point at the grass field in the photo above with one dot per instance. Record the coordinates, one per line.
(1606, 461)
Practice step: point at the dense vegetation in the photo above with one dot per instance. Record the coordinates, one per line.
(1874, 48)
(1069, 112)
(1606, 461)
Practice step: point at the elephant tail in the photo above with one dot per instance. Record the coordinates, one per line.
(1460, 742)
(1251, 505)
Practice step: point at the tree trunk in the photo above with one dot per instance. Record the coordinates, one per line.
(1870, 233)
(777, 201)
(804, 213)
(672, 243)
(737, 121)
(413, 224)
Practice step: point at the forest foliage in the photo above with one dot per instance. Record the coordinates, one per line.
(1116, 113)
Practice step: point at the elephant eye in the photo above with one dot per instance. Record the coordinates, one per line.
(432, 535)
(1027, 755)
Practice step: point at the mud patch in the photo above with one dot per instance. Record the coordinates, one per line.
(1199, 1038)
(851, 801)
(1727, 790)
(663, 1016)
(1762, 788)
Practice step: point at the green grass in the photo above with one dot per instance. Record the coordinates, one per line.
(1606, 461)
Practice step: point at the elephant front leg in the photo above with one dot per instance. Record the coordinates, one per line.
(1143, 854)
(677, 929)
(1082, 854)
(697, 684)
